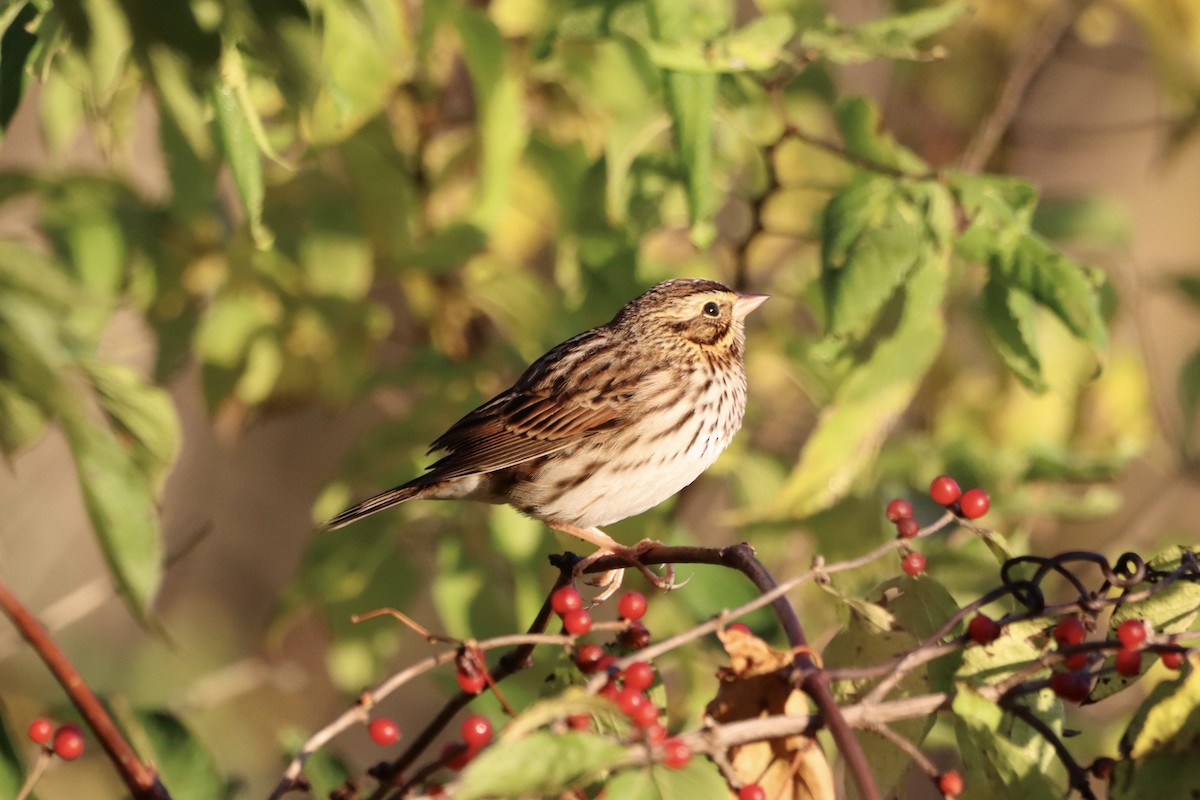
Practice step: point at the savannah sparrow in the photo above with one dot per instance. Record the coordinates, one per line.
(607, 424)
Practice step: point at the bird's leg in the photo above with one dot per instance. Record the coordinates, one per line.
(611, 581)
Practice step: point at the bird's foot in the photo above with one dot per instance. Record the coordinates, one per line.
(611, 580)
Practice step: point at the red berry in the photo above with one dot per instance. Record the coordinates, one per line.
(897, 510)
(913, 563)
(974, 503)
(1132, 632)
(950, 784)
(630, 700)
(752, 791)
(579, 722)
(944, 490)
(476, 731)
(907, 528)
(68, 742)
(471, 684)
(675, 754)
(1172, 659)
(609, 690)
(587, 658)
(1102, 768)
(41, 730)
(456, 755)
(645, 715)
(639, 675)
(577, 622)
(632, 605)
(983, 629)
(384, 731)
(606, 662)
(1069, 631)
(1074, 686)
(565, 599)
(634, 636)
(1077, 660)
(656, 734)
(740, 627)
(1128, 662)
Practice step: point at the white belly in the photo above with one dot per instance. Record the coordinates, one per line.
(632, 473)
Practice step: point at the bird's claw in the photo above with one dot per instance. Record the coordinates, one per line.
(612, 579)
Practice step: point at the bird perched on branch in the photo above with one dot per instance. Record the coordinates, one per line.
(606, 425)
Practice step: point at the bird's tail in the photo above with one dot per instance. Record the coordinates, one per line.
(379, 502)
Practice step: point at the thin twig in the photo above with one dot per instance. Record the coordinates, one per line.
(140, 779)
(1033, 57)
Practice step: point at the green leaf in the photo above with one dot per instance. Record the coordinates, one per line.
(21, 421)
(999, 210)
(864, 135)
(1008, 314)
(231, 324)
(16, 43)
(699, 779)
(181, 101)
(692, 101)
(894, 36)
(874, 637)
(760, 45)
(142, 415)
(1091, 219)
(499, 102)
(121, 506)
(12, 765)
(324, 771)
(1056, 282)
(540, 764)
(180, 758)
(996, 767)
(241, 144)
(1160, 742)
(1014, 650)
(853, 426)
(361, 56)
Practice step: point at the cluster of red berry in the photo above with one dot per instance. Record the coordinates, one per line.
(944, 491)
(65, 741)
(1074, 683)
(627, 688)
(476, 732)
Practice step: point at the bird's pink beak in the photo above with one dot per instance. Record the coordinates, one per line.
(746, 303)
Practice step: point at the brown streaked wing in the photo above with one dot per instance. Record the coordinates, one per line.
(532, 420)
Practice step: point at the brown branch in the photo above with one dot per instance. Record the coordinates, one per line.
(1033, 58)
(140, 779)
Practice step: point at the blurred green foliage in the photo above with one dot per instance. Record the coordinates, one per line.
(404, 203)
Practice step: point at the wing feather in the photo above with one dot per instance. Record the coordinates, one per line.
(545, 412)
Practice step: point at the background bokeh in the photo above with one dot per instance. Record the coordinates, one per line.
(441, 202)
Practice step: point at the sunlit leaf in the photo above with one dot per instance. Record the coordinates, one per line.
(142, 415)
(179, 757)
(541, 763)
(852, 427)
(240, 144)
(502, 124)
(892, 36)
(995, 764)
(1008, 313)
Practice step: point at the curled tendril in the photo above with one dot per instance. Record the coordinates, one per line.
(1028, 594)
(1130, 569)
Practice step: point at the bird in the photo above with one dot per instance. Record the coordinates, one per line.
(604, 426)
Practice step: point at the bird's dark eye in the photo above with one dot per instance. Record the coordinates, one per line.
(711, 309)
